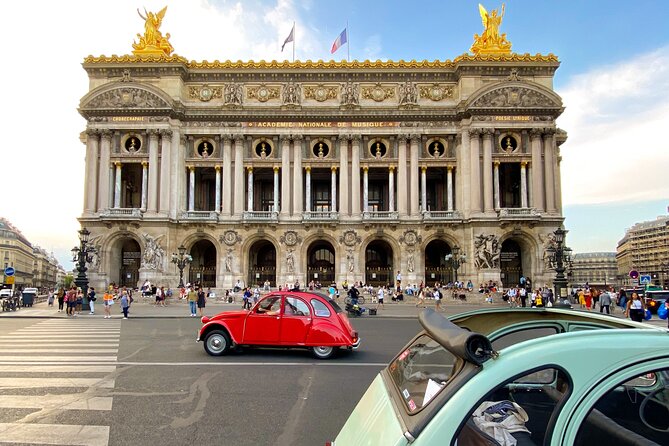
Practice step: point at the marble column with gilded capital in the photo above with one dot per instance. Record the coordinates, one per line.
(463, 160)
(165, 180)
(249, 189)
(239, 176)
(333, 182)
(423, 188)
(523, 184)
(191, 188)
(307, 184)
(217, 202)
(475, 170)
(91, 173)
(537, 171)
(549, 170)
(117, 185)
(487, 171)
(104, 180)
(496, 185)
(449, 187)
(285, 177)
(355, 176)
(391, 188)
(298, 195)
(145, 184)
(343, 177)
(403, 191)
(275, 196)
(227, 177)
(413, 175)
(152, 206)
(365, 189)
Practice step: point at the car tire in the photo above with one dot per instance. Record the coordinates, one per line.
(217, 342)
(323, 352)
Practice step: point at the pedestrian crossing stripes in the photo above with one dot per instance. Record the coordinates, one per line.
(52, 367)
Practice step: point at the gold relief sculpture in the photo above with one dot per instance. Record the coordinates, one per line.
(152, 43)
(436, 92)
(320, 92)
(491, 41)
(378, 93)
(263, 93)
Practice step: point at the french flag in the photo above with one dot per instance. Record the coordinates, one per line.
(339, 41)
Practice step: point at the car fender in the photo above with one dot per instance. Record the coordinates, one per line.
(327, 333)
(216, 325)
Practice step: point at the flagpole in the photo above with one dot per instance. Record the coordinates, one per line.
(348, 43)
(293, 42)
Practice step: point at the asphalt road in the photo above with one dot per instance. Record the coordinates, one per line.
(160, 387)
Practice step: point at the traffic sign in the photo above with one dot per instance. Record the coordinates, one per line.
(9, 280)
(645, 279)
(634, 274)
(9, 271)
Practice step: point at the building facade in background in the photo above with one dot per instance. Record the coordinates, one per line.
(598, 269)
(645, 249)
(33, 266)
(324, 171)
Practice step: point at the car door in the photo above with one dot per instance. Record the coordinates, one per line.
(296, 320)
(261, 328)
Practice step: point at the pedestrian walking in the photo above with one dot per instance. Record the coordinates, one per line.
(80, 301)
(108, 301)
(50, 298)
(635, 308)
(192, 301)
(604, 302)
(436, 294)
(72, 301)
(91, 299)
(588, 299)
(420, 297)
(61, 299)
(381, 294)
(522, 293)
(201, 301)
(125, 303)
(246, 298)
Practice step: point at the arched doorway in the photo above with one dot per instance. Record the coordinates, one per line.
(379, 264)
(128, 261)
(436, 269)
(262, 263)
(202, 269)
(511, 263)
(321, 263)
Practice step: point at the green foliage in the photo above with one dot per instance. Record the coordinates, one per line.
(68, 280)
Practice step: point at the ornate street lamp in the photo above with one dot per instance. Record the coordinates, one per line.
(181, 260)
(81, 255)
(455, 259)
(560, 260)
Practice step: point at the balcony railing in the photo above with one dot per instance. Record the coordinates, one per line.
(513, 213)
(270, 216)
(122, 213)
(200, 215)
(380, 215)
(320, 216)
(441, 215)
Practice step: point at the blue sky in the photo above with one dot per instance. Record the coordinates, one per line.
(614, 80)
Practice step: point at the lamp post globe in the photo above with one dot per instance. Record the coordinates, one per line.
(181, 259)
(81, 255)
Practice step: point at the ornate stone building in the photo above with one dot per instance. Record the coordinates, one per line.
(645, 249)
(332, 171)
(594, 268)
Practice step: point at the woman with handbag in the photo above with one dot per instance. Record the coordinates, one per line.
(635, 308)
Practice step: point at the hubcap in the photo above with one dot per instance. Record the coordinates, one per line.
(216, 343)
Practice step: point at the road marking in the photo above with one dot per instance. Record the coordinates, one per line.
(62, 402)
(43, 359)
(91, 331)
(21, 368)
(55, 434)
(36, 383)
(23, 350)
(47, 337)
(57, 343)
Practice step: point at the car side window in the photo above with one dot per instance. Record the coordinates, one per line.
(519, 411)
(512, 338)
(320, 309)
(633, 412)
(295, 307)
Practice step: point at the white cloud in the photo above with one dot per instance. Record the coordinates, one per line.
(617, 119)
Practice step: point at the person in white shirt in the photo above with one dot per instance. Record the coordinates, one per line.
(436, 294)
(381, 294)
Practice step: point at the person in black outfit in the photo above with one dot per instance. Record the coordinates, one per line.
(353, 293)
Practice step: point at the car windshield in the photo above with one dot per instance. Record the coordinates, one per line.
(421, 371)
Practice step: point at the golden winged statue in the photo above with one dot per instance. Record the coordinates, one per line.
(152, 42)
(491, 41)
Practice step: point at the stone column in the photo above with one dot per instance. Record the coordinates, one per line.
(307, 195)
(218, 189)
(537, 174)
(475, 170)
(239, 176)
(227, 176)
(249, 189)
(275, 197)
(523, 184)
(165, 178)
(355, 177)
(145, 183)
(487, 171)
(403, 191)
(496, 185)
(91, 173)
(105, 170)
(463, 160)
(343, 177)
(177, 170)
(423, 188)
(549, 166)
(558, 179)
(191, 188)
(117, 185)
(413, 185)
(298, 195)
(333, 182)
(391, 188)
(365, 189)
(449, 186)
(153, 172)
(285, 177)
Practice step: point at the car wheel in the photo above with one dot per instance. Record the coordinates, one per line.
(217, 343)
(323, 352)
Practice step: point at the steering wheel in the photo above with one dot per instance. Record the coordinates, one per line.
(651, 397)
